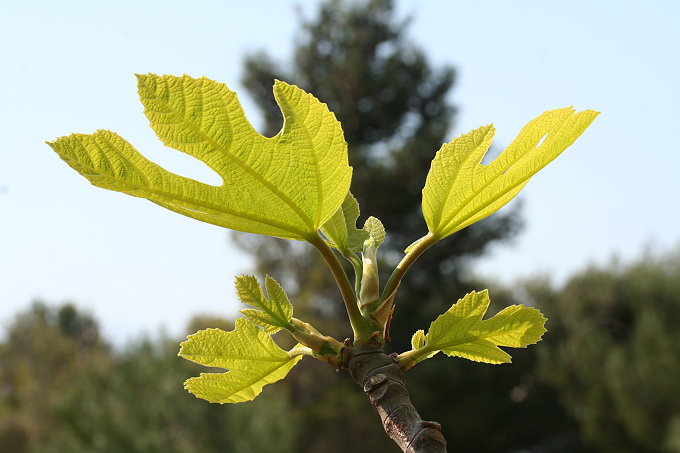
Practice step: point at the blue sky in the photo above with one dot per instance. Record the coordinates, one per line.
(68, 67)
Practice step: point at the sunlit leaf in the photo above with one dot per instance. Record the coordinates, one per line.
(462, 332)
(460, 190)
(287, 186)
(250, 355)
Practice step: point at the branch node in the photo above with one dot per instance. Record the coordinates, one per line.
(382, 379)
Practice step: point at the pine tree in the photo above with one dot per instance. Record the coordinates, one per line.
(395, 110)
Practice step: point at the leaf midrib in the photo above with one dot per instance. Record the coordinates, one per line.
(514, 162)
(230, 357)
(472, 339)
(317, 171)
(283, 197)
(251, 383)
(453, 179)
(170, 196)
(263, 307)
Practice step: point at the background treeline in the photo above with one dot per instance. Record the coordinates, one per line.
(606, 378)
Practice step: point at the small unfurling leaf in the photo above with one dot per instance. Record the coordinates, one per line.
(418, 339)
(376, 231)
(271, 314)
(341, 229)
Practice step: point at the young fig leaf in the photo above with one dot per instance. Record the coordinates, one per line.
(286, 186)
(341, 229)
(460, 190)
(376, 231)
(369, 293)
(250, 355)
(418, 339)
(462, 332)
(271, 314)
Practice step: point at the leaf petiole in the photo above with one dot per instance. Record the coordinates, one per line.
(362, 327)
(358, 271)
(410, 358)
(411, 256)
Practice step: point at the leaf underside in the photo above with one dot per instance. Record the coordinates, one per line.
(460, 190)
(285, 186)
(462, 332)
(250, 355)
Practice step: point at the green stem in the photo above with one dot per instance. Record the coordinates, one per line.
(407, 359)
(323, 347)
(362, 327)
(308, 335)
(358, 271)
(423, 244)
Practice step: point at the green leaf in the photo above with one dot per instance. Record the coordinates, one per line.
(376, 230)
(286, 186)
(341, 229)
(418, 342)
(250, 355)
(418, 339)
(460, 190)
(271, 314)
(461, 332)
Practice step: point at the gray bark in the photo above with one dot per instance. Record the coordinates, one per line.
(382, 379)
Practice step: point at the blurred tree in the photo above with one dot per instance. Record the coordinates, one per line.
(395, 110)
(45, 350)
(63, 391)
(138, 406)
(613, 353)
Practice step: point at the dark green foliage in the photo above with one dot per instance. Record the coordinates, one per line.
(45, 350)
(137, 405)
(604, 381)
(614, 354)
(65, 391)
